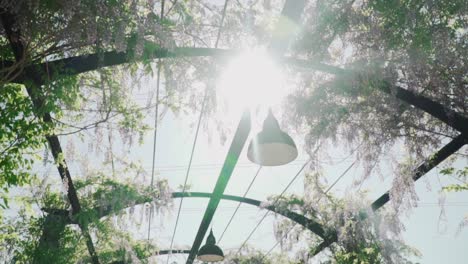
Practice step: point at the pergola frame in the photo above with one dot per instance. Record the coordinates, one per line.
(308, 223)
(31, 74)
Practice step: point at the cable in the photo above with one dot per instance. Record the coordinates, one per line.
(158, 81)
(176, 168)
(196, 136)
(325, 193)
(238, 206)
(158, 76)
(337, 180)
(221, 23)
(276, 200)
(188, 171)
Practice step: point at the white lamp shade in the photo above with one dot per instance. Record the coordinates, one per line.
(271, 154)
(272, 147)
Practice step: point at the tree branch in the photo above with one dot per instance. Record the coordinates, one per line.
(420, 171)
(441, 112)
(19, 49)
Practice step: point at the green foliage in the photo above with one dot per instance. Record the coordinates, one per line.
(410, 24)
(414, 44)
(460, 174)
(21, 240)
(111, 195)
(52, 238)
(456, 187)
(407, 36)
(252, 256)
(127, 252)
(364, 254)
(21, 134)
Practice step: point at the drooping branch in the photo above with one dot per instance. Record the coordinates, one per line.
(425, 167)
(420, 171)
(433, 108)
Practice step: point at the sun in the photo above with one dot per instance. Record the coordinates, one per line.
(251, 80)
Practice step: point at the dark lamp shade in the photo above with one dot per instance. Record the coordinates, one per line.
(272, 146)
(210, 252)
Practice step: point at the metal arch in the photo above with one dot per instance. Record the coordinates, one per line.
(310, 224)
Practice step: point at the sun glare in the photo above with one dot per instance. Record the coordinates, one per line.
(251, 80)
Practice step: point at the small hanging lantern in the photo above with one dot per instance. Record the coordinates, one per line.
(210, 252)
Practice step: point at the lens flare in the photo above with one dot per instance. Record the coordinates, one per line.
(251, 80)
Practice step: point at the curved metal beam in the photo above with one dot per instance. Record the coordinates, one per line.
(310, 224)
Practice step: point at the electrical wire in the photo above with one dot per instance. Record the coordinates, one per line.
(238, 206)
(187, 173)
(196, 136)
(221, 23)
(158, 78)
(158, 83)
(276, 200)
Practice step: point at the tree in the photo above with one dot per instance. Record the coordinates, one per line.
(386, 45)
(32, 238)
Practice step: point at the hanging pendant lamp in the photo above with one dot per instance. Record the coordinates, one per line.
(210, 252)
(272, 146)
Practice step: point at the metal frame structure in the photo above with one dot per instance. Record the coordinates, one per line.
(292, 10)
